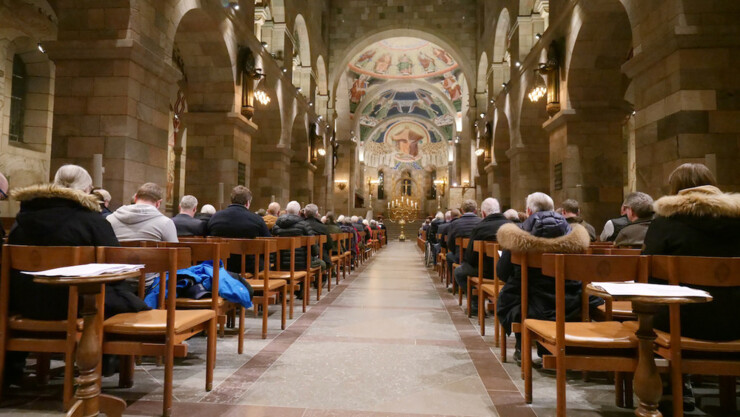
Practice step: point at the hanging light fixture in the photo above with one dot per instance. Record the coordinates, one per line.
(262, 97)
(539, 89)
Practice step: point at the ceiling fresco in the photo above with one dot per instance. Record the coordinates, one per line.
(402, 143)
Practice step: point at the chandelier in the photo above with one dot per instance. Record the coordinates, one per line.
(262, 97)
(539, 90)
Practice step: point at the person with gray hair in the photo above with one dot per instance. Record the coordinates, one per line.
(639, 211)
(205, 213)
(512, 215)
(312, 218)
(185, 222)
(484, 231)
(539, 202)
(73, 177)
(462, 227)
(572, 213)
(104, 197)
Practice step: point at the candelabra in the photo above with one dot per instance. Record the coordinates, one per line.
(401, 211)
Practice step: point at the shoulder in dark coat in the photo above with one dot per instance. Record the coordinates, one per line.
(289, 225)
(238, 222)
(700, 221)
(462, 227)
(484, 231)
(188, 226)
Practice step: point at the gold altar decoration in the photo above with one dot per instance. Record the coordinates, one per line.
(402, 211)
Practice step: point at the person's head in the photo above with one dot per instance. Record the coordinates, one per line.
(341, 219)
(274, 208)
(638, 206)
(690, 176)
(373, 224)
(261, 212)
(330, 218)
(365, 223)
(293, 208)
(149, 193)
(241, 195)
(439, 216)
(188, 205)
(512, 215)
(454, 214)
(490, 206)
(570, 208)
(468, 206)
(354, 219)
(74, 177)
(103, 196)
(312, 210)
(208, 209)
(539, 202)
(4, 187)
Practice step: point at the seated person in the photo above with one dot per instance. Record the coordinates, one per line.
(185, 223)
(639, 211)
(483, 231)
(312, 218)
(572, 213)
(613, 226)
(543, 231)
(462, 227)
(444, 228)
(104, 197)
(289, 225)
(205, 213)
(238, 222)
(273, 210)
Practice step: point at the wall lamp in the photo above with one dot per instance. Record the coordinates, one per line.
(341, 184)
(233, 4)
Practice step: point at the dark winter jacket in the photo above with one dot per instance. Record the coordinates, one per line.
(462, 227)
(238, 222)
(579, 220)
(189, 226)
(321, 229)
(484, 231)
(55, 216)
(546, 232)
(444, 230)
(700, 221)
(290, 225)
(433, 230)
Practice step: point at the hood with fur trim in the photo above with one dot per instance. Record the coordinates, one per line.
(706, 200)
(87, 201)
(511, 237)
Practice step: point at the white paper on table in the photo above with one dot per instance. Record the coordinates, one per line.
(86, 270)
(648, 290)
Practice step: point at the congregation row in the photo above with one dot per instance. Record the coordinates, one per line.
(696, 219)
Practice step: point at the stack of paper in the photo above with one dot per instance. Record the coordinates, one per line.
(87, 270)
(648, 290)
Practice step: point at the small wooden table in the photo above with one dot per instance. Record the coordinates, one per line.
(90, 402)
(647, 383)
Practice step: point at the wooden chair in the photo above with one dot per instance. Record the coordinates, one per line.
(489, 291)
(201, 251)
(462, 246)
(474, 282)
(525, 260)
(614, 310)
(585, 345)
(260, 281)
(347, 251)
(336, 255)
(695, 356)
(158, 332)
(290, 244)
(313, 273)
(43, 336)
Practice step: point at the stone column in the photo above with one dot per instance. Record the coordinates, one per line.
(529, 173)
(301, 181)
(270, 174)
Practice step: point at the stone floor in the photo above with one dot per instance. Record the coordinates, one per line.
(390, 340)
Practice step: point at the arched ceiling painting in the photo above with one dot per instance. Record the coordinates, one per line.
(411, 115)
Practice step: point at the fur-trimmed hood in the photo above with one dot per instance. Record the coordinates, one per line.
(511, 237)
(87, 201)
(706, 200)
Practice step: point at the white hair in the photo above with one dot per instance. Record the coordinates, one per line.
(311, 210)
(273, 208)
(188, 202)
(323, 219)
(512, 215)
(448, 215)
(208, 209)
(340, 219)
(540, 202)
(104, 194)
(354, 219)
(373, 224)
(293, 208)
(490, 206)
(365, 223)
(74, 177)
(440, 216)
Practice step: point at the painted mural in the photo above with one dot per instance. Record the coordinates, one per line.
(418, 102)
(404, 58)
(401, 143)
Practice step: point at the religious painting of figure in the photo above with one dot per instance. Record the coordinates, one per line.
(443, 56)
(405, 66)
(383, 64)
(427, 62)
(359, 87)
(451, 86)
(385, 104)
(365, 58)
(424, 103)
(406, 138)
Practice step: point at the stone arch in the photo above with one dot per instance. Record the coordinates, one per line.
(500, 71)
(322, 86)
(301, 169)
(602, 44)
(374, 36)
(481, 85)
(500, 175)
(301, 55)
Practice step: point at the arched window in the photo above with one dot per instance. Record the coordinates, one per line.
(381, 185)
(18, 99)
(433, 188)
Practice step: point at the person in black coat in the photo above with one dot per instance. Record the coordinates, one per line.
(238, 222)
(312, 213)
(185, 223)
(484, 231)
(434, 227)
(544, 231)
(462, 227)
(444, 228)
(289, 225)
(699, 220)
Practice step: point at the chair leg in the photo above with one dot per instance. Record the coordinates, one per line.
(69, 377)
(468, 294)
(628, 392)
(330, 268)
(677, 387)
(481, 313)
(126, 374)
(211, 353)
(727, 394)
(222, 325)
(169, 364)
(503, 345)
(560, 380)
(527, 365)
(43, 363)
(265, 301)
(292, 297)
(282, 316)
(619, 389)
(240, 348)
(338, 273)
(496, 326)
(459, 296)
(305, 293)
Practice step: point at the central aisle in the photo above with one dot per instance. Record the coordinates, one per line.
(387, 340)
